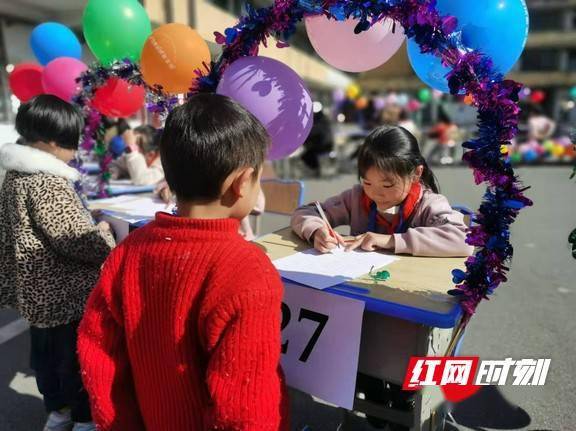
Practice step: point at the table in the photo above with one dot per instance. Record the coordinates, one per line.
(411, 314)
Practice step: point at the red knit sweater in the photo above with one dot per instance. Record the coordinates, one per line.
(182, 332)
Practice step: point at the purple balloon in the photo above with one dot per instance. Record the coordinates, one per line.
(274, 94)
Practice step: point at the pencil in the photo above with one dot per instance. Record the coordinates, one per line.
(323, 215)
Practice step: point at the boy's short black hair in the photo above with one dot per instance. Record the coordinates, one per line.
(47, 118)
(207, 139)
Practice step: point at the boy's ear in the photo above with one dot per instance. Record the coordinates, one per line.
(242, 179)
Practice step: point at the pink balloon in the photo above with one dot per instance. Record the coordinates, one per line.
(59, 77)
(337, 44)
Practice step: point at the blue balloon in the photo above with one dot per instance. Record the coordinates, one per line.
(428, 67)
(498, 28)
(530, 156)
(117, 146)
(52, 40)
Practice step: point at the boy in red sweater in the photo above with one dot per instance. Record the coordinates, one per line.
(182, 331)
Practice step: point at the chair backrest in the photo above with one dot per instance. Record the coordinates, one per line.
(282, 196)
(467, 213)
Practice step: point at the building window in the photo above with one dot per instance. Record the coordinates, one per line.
(233, 6)
(572, 60)
(546, 20)
(537, 60)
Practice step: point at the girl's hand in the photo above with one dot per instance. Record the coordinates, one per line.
(371, 241)
(96, 214)
(324, 242)
(163, 192)
(131, 141)
(104, 226)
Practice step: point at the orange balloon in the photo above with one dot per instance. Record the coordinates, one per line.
(362, 103)
(170, 56)
(570, 151)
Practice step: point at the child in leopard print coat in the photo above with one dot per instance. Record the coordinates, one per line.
(50, 251)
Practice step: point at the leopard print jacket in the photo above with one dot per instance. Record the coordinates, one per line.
(50, 249)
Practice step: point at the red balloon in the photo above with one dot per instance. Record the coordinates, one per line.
(118, 98)
(26, 81)
(538, 96)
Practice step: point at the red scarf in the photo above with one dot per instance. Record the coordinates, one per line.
(406, 209)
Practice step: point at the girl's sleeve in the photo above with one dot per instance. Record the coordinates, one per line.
(306, 220)
(59, 213)
(140, 173)
(442, 232)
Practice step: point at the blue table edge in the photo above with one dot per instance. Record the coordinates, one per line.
(392, 309)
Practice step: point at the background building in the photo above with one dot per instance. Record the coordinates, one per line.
(548, 63)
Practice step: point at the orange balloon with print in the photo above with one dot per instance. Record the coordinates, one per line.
(171, 55)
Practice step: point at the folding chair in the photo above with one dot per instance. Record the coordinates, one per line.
(282, 197)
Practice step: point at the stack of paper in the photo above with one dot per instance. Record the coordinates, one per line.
(320, 271)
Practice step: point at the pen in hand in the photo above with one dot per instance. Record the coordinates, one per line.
(325, 219)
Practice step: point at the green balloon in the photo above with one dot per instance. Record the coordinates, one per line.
(116, 29)
(516, 158)
(424, 95)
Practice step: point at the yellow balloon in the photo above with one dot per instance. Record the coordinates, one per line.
(353, 91)
(558, 150)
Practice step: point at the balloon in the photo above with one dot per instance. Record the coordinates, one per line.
(52, 40)
(338, 45)
(171, 55)
(118, 98)
(26, 81)
(59, 77)
(362, 103)
(424, 95)
(428, 68)
(525, 93)
(530, 156)
(276, 95)
(116, 29)
(515, 158)
(403, 100)
(469, 99)
(413, 105)
(117, 146)
(338, 95)
(570, 151)
(538, 96)
(379, 103)
(498, 28)
(392, 99)
(558, 150)
(353, 91)
(573, 92)
(548, 146)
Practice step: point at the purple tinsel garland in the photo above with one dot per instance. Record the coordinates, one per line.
(472, 73)
(90, 81)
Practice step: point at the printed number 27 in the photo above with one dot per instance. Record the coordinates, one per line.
(321, 319)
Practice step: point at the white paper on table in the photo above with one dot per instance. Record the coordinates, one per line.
(135, 206)
(320, 271)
